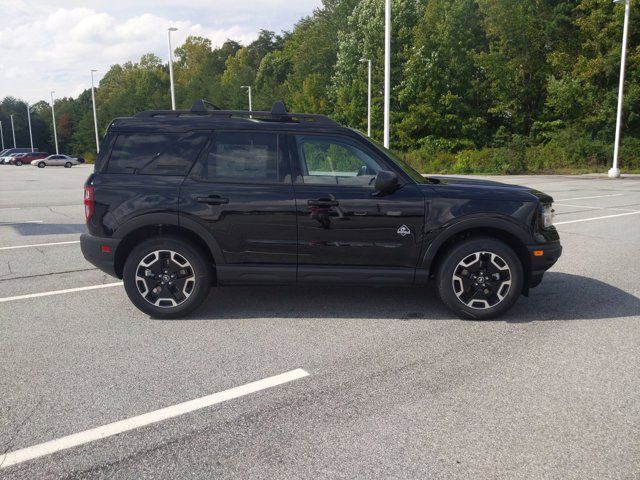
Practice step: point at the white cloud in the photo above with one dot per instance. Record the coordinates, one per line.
(55, 48)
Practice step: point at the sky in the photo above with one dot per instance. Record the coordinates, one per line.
(53, 45)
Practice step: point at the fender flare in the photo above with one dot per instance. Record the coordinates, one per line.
(446, 232)
(175, 220)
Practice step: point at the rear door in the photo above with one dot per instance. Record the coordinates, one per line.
(241, 191)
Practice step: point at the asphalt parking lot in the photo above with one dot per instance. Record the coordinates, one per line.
(385, 383)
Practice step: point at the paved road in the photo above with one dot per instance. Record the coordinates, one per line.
(397, 387)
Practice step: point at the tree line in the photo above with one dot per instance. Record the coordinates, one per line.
(496, 86)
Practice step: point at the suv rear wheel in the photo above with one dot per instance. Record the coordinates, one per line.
(481, 278)
(167, 277)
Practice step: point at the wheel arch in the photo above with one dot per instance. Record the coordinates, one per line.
(162, 224)
(501, 230)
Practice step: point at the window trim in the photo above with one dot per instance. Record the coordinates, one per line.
(295, 159)
(115, 134)
(281, 146)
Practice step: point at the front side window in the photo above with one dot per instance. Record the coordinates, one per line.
(245, 157)
(325, 160)
(155, 153)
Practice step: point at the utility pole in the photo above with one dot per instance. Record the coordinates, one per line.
(95, 117)
(387, 70)
(29, 118)
(173, 91)
(614, 172)
(368, 61)
(13, 131)
(53, 114)
(2, 135)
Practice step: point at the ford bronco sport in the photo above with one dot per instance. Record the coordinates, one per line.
(181, 201)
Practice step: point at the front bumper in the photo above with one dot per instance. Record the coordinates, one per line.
(540, 263)
(100, 252)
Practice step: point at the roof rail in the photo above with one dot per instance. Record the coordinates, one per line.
(278, 113)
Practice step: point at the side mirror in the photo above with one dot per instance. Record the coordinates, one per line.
(386, 183)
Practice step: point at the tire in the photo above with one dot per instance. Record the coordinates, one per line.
(67, 165)
(184, 259)
(480, 278)
(18, 163)
(41, 164)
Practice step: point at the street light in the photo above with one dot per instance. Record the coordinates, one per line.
(95, 117)
(13, 131)
(29, 118)
(53, 115)
(248, 89)
(368, 61)
(173, 93)
(614, 172)
(387, 70)
(2, 135)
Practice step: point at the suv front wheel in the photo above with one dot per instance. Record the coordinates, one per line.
(481, 278)
(167, 277)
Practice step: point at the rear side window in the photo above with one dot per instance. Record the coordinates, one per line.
(155, 153)
(245, 157)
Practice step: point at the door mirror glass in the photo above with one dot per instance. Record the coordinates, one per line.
(386, 182)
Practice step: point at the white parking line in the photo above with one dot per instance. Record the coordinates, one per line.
(9, 224)
(39, 245)
(76, 439)
(598, 218)
(597, 208)
(59, 292)
(586, 198)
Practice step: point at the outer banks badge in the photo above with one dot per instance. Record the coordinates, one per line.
(404, 231)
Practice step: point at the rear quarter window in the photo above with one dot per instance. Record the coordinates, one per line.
(155, 153)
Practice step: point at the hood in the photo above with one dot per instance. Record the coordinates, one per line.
(482, 187)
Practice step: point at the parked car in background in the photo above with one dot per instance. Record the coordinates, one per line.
(5, 155)
(55, 161)
(26, 158)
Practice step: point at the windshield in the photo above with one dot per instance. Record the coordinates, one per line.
(401, 164)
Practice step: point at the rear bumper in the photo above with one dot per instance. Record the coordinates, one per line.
(540, 264)
(94, 251)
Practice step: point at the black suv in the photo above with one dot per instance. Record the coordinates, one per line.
(184, 200)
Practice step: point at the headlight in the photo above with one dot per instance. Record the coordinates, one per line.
(547, 215)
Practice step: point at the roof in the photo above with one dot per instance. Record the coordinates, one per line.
(201, 117)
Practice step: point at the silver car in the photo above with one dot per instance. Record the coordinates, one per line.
(56, 161)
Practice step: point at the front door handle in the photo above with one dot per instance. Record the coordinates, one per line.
(212, 200)
(323, 202)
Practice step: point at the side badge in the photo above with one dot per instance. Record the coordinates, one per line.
(404, 231)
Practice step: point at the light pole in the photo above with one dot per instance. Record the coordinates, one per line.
(614, 172)
(248, 89)
(368, 61)
(29, 119)
(53, 115)
(387, 70)
(13, 131)
(95, 117)
(2, 135)
(173, 93)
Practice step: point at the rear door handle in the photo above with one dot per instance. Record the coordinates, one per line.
(322, 202)
(212, 200)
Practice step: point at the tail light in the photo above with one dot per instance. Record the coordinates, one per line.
(89, 201)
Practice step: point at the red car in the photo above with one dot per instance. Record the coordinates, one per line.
(27, 158)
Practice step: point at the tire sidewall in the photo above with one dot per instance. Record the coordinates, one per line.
(42, 165)
(456, 254)
(67, 165)
(198, 260)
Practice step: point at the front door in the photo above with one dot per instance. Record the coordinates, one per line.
(345, 232)
(241, 192)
